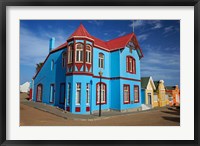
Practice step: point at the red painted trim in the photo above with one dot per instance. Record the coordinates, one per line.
(138, 94)
(90, 74)
(30, 94)
(78, 109)
(125, 102)
(53, 93)
(133, 65)
(62, 84)
(79, 73)
(105, 93)
(87, 109)
(68, 108)
(37, 93)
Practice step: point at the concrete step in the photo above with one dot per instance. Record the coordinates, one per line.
(146, 107)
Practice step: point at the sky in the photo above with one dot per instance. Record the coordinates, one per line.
(158, 39)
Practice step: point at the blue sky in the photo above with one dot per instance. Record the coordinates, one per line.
(159, 40)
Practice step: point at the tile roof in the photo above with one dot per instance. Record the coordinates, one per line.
(81, 31)
(111, 45)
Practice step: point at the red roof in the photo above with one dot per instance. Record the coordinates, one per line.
(111, 45)
(81, 31)
(59, 47)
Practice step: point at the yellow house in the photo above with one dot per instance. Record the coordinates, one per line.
(160, 92)
(148, 88)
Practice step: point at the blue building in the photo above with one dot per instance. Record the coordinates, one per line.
(69, 77)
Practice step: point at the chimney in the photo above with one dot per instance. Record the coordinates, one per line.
(51, 44)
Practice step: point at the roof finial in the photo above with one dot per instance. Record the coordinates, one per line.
(133, 25)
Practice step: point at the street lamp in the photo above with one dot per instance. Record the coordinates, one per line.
(100, 74)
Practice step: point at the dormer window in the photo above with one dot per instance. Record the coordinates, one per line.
(70, 54)
(79, 53)
(88, 54)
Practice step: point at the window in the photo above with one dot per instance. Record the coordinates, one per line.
(62, 93)
(39, 93)
(52, 93)
(69, 93)
(87, 93)
(52, 65)
(79, 53)
(63, 59)
(101, 60)
(78, 93)
(88, 54)
(136, 94)
(126, 94)
(70, 54)
(130, 65)
(103, 93)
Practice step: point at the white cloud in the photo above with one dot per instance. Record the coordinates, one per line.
(142, 37)
(122, 33)
(168, 29)
(34, 47)
(161, 65)
(157, 26)
(137, 23)
(97, 22)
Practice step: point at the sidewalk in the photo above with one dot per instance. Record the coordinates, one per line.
(67, 115)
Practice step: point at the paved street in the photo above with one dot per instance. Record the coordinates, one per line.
(38, 114)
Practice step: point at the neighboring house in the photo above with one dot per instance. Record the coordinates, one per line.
(70, 77)
(25, 87)
(160, 93)
(148, 89)
(174, 93)
(31, 90)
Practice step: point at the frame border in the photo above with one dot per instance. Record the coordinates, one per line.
(5, 3)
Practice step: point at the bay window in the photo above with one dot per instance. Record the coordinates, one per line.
(88, 54)
(70, 54)
(79, 53)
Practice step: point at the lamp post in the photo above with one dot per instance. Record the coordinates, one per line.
(100, 74)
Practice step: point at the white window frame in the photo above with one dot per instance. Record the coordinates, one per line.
(138, 95)
(101, 60)
(80, 52)
(78, 94)
(126, 93)
(69, 92)
(64, 59)
(88, 54)
(103, 93)
(70, 54)
(87, 93)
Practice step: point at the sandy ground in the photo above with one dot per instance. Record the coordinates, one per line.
(30, 116)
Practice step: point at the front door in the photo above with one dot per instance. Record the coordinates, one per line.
(149, 98)
(62, 93)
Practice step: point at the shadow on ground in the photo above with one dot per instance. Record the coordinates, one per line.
(174, 119)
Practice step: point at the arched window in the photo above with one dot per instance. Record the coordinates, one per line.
(101, 60)
(103, 93)
(130, 65)
(52, 64)
(79, 52)
(70, 54)
(63, 59)
(88, 54)
(39, 93)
